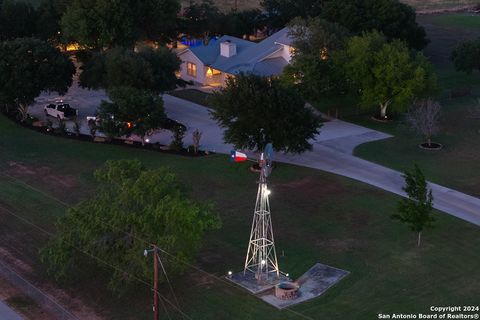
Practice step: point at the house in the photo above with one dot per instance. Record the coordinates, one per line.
(212, 64)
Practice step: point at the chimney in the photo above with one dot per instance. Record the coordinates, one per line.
(228, 49)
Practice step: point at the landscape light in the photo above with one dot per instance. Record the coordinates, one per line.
(147, 140)
(286, 274)
(229, 273)
(267, 192)
(262, 262)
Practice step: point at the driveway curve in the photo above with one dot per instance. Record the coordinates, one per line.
(332, 149)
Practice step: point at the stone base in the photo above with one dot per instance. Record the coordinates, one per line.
(249, 282)
(313, 283)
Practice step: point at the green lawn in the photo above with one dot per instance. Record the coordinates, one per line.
(437, 5)
(317, 217)
(445, 31)
(455, 165)
(459, 20)
(193, 95)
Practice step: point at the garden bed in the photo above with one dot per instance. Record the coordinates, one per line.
(431, 146)
(116, 141)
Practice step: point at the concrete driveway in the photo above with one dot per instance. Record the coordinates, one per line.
(332, 149)
(6, 313)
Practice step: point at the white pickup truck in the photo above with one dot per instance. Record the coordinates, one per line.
(60, 111)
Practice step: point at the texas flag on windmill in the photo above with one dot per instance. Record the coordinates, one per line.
(236, 156)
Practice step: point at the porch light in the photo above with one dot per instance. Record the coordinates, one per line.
(209, 72)
(324, 53)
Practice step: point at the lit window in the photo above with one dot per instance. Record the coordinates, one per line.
(192, 69)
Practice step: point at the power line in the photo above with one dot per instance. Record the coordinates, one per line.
(95, 258)
(148, 243)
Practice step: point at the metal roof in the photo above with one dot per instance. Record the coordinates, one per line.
(250, 56)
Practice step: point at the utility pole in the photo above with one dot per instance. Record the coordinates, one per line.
(155, 283)
(155, 278)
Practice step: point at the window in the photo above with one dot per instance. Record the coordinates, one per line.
(192, 69)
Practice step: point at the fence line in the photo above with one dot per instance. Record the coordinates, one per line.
(36, 294)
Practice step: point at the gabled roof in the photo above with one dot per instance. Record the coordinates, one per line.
(250, 57)
(210, 54)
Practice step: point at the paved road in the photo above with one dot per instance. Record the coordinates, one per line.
(6, 313)
(332, 149)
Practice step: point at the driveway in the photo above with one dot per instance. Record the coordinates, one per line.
(332, 149)
(6, 313)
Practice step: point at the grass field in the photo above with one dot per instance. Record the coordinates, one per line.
(194, 95)
(424, 5)
(460, 131)
(434, 5)
(316, 216)
(468, 21)
(452, 166)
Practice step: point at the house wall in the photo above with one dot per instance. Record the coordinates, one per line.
(188, 56)
(284, 52)
(218, 80)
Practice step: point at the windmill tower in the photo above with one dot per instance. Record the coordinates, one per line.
(261, 257)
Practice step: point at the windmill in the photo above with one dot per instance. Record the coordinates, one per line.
(261, 257)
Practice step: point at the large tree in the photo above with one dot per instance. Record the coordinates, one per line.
(150, 69)
(316, 36)
(132, 208)
(243, 23)
(28, 67)
(466, 56)
(255, 111)
(312, 70)
(108, 23)
(49, 15)
(416, 210)
(391, 17)
(17, 19)
(387, 74)
(202, 19)
(132, 111)
(280, 12)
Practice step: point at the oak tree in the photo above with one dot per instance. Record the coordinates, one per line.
(28, 67)
(132, 208)
(255, 111)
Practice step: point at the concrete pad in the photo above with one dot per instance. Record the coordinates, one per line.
(313, 283)
(248, 281)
